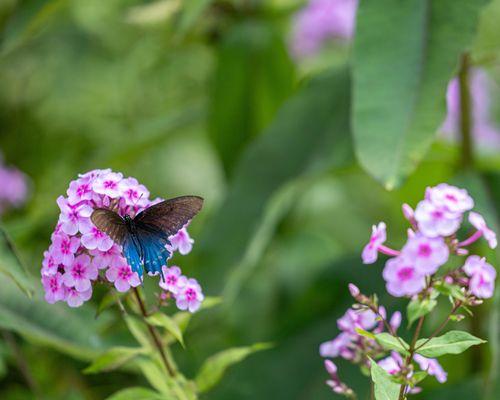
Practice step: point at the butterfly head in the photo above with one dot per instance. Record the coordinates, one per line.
(129, 222)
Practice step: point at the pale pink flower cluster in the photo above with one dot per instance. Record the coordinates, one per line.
(13, 187)
(319, 21)
(80, 255)
(187, 292)
(431, 240)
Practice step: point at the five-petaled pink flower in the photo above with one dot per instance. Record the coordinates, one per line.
(172, 276)
(54, 288)
(427, 254)
(93, 238)
(182, 242)
(436, 220)
(450, 197)
(49, 264)
(378, 237)
(73, 217)
(122, 276)
(402, 277)
(134, 193)
(80, 273)
(64, 249)
(482, 276)
(79, 190)
(189, 296)
(75, 298)
(479, 223)
(108, 184)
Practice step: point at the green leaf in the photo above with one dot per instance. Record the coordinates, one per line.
(418, 376)
(312, 124)
(385, 388)
(11, 265)
(138, 393)
(214, 367)
(155, 375)
(450, 290)
(453, 342)
(253, 77)
(164, 321)
(487, 44)
(191, 12)
(364, 333)
(418, 308)
(56, 325)
(113, 359)
(389, 342)
(138, 330)
(400, 74)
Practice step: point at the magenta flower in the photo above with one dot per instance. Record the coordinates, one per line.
(436, 220)
(93, 238)
(189, 296)
(340, 346)
(427, 254)
(402, 277)
(73, 218)
(182, 242)
(122, 276)
(14, 187)
(432, 367)
(172, 276)
(392, 364)
(75, 298)
(352, 319)
(453, 199)
(80, 273)
(320, 21)
(479, 223)
(80, 250)
(482, 276)
(108, 184)
(64, 249)
(378, 237)
(54, 288)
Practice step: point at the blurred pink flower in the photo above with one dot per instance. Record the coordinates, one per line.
(434, 220)
(479, 223)
(427, 254)
(402, 277)
(75, 298)
(378, 237)
(486, 133)
(482, 276)
(13, 187)
(172, 276)
(189, 296)
(432, 367)
(319, 21)
(182, 242)
(450, 197)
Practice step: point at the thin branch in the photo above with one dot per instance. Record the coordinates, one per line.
(154, 334)
(409, 359)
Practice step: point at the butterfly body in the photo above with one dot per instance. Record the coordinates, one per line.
(144, 238)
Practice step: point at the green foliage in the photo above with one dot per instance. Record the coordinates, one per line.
(452, 342)
(385, 388)
(253, 77)
(169, 324)
(405, 54)
(212, 370)
(418, 308)
(389, 342)
(113, 359)
(137, 393)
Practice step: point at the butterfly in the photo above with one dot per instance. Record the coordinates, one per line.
(144, 237)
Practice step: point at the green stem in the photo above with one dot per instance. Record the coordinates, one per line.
(409, 359)
(154, 334)
(443, 324)
(467, 158)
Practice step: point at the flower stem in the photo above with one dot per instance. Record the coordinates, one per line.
(471, 239)
(154, 334)
(467, 159)
(387, 251)
(412, 349)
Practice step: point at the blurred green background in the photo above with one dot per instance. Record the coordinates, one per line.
(292, 156)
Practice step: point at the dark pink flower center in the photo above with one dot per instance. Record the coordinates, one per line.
(54, 287)
(109, 184)
(424, 250)
(437, 214)
(451, 197)
(171, 279)
(190, 294)
(82, 189)
(65, 247)
(124, 273)
(78, 271)
(405, 273)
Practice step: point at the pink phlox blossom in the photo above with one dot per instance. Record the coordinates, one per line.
(479, 223)
(172, 276)
(482, 276)
(80, 273)
(54, 288)
(189, 297)
(450, 197)
(75, 298)
(427, 254)
(122, 276)
(182, 242)
(432, 367)
(402, 277)
(377, 238)
(436, 220)
(73, 217)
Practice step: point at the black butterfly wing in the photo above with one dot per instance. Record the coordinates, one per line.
(171, 215)
(110, 223)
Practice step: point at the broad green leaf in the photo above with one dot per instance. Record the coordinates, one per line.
(418, 308)
(164, 321)
(253, 77)
(314, 123)
(453, 342)
(405, 53)
(11, 265)
(113, 359)
(155, 375)
(214, 367)
(68, 330)
(137, 393)
(138, 330)
(385, 388)
(487, 45)
(389, 342)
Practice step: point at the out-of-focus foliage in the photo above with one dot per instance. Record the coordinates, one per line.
(203, 97)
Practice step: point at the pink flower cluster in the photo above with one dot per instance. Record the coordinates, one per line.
(13, 187)
(79, 251)
(319, 21)
(352, 346)
(486, 133)
(431, 240)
